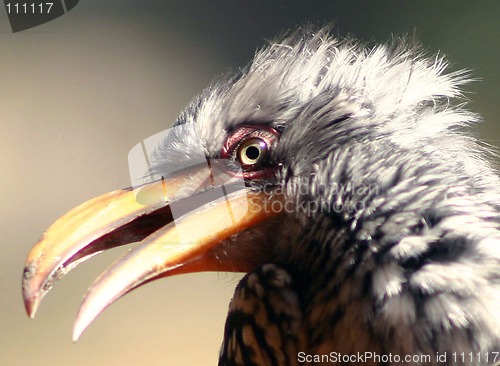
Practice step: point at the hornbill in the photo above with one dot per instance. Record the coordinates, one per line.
(362, 210)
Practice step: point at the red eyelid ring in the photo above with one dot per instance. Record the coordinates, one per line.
(268, 134)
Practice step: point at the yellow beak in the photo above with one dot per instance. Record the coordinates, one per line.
(170, 242)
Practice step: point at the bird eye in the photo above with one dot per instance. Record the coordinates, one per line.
(251, 151)
(249, 146)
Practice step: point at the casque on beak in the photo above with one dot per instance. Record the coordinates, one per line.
(210, 204)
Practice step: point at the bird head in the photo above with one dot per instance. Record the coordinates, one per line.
(318, 155)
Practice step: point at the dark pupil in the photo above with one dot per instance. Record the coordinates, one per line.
(252, 152)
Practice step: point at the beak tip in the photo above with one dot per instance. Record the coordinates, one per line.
(31, 296)
(86, 315)
(31, 302)
(78, 329)
(31, 306)
(75, 337)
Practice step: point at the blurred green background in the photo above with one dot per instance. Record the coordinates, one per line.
(77, 93)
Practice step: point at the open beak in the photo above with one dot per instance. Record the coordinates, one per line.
(183, 224)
